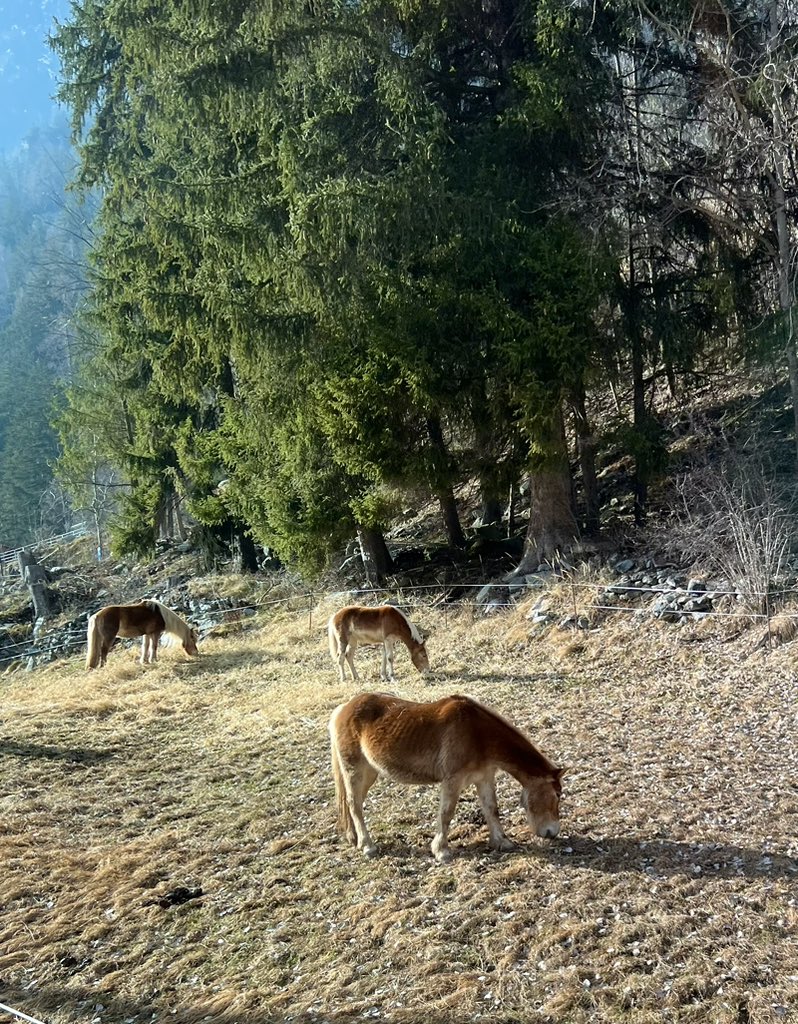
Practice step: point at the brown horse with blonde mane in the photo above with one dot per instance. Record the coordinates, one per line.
(455, 741)
(355, 625)
(147, 619)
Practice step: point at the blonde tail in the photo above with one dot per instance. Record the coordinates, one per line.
(332, 635)
(346, 825)
(92, 644)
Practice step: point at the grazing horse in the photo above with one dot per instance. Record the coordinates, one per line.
(455, 741)
(147, 619)
(355, 625)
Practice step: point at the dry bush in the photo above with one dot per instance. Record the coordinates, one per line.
(737, 520)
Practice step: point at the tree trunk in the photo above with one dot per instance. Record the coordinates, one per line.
(245, 556)
(442, 488)
(640, 479)
(377, 561)
(491, 512)
(778, 195)
(552, 525)
(511, 503)
(586, 450)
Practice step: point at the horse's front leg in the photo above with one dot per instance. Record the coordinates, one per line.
(144, 648)
(387, 660)
(450, 794)
(154, 646)
(486, 791)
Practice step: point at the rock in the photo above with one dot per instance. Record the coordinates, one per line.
(537, 579)
(574, 622)
(540, 618)
(696, 586)
(625, 566)
(492, 593)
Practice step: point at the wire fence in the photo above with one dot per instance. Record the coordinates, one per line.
(447, 597)
(9, 555)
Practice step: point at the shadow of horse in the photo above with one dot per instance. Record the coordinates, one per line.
(655, 858)
(72, 755)
(658, 858)
(439, 675)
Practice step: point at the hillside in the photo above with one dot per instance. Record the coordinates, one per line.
(170, 853)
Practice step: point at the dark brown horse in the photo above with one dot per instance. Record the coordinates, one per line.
(147, 619)
(455, 741)
(355, 625)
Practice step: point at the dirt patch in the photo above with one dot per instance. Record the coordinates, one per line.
(169, 853)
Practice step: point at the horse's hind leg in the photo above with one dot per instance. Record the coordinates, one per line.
(154, 638)
(486, 791)
(348, 653)
(358, 780)
(450, 794)
(106, 644)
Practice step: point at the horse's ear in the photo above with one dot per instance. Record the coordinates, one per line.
(559, 772)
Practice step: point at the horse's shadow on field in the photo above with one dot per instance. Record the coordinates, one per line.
(659, 858)
(441, 675)
(656, 858)
(78, 756)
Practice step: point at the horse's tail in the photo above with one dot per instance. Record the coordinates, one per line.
(92, 643)
(335, 642)
(346, 825)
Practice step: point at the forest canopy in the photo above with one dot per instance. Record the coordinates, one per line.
(350, 253)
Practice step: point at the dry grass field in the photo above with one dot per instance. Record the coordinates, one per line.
(168, 853)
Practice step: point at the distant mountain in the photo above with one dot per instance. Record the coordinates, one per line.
(28, 67)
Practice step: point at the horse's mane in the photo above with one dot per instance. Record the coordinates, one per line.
(518, 733)
(412, 626)
(172, 622)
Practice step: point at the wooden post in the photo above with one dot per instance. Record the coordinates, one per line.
(36, 579)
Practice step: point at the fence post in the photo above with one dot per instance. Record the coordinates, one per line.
(310, 613)
(767, 614)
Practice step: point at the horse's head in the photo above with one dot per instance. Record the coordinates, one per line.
(190, 642)
(419, 656)
(540, 798)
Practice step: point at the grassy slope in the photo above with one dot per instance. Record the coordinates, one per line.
(671, 894)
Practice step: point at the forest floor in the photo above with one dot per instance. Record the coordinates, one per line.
(169, 853)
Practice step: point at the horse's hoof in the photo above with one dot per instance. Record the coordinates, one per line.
(443, 856)
(369, 851)
(505, 846)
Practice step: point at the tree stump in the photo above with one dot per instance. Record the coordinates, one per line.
(35, 578)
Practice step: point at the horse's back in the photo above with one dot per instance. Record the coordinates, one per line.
(370, 624)
(130, 620)
(418, 743)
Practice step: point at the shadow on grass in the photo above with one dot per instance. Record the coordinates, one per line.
(661, 857)
(73, 755)
(656, 858)
(84, 1003)
(440, 675)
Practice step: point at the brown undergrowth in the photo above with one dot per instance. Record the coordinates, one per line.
(168, 849)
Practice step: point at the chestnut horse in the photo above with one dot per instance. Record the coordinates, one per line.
(455, 741)
(147, 619)
(355, 625)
